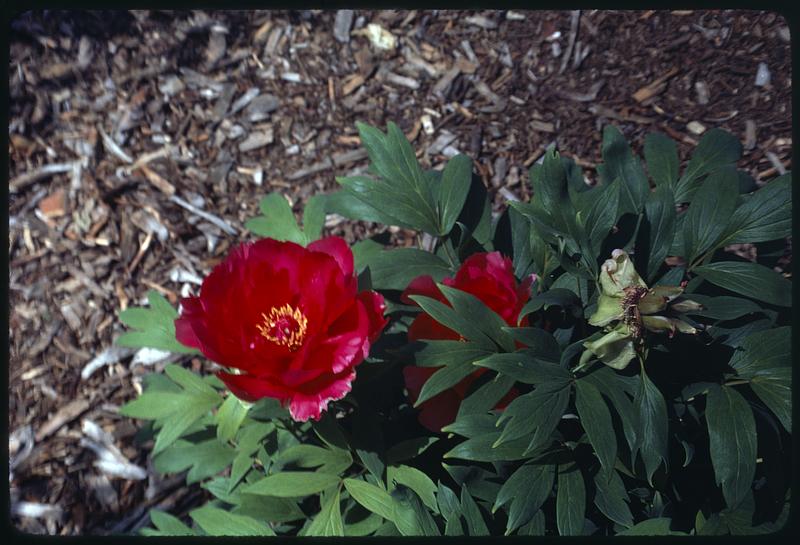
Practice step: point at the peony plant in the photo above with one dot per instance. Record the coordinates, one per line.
(483, 383)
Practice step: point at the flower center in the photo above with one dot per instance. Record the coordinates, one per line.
(285, 326)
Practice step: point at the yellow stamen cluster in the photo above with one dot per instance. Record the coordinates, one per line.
(285, 326)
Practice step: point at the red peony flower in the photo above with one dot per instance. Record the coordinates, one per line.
(490, 278)
(288, 318)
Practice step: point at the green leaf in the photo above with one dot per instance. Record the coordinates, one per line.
(657, 230)
(328, 522)
(448, 503)
(763, 350)
(723, 307)
(486, 320)
(485, 397)
(596, 420)
(205, 459)
(178, 423)
(371, 497)
(766, 215)
(651, 527)
(527, 489)
(314, 217)
(614, 387)
(229, 417)
(661, 155)
(269, 509)
(750, 280)
(408, 449)
(346, 202)
(612, 498)
(453, 190)
(191, 382)
(620, 163)
(440, 353)
(394, 269)
(732, 442)
(482, 449)
(710, 211)
(774, 388)
(410, 515)
(154, 405)
(218, 522)
(527, 369)
(416, 480)
(444, 379)
(292, 484)
(454, 320)
(476, 526)
(277, 220)
(716, 148)
(602, 214)
(537, 412)
(654, 426)
(538, 341)
(169, 525)
(156, 326)
(571, 500)
(332, 461)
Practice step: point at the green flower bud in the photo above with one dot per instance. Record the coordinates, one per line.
(618, 273)
(686, 305)
(615, 348)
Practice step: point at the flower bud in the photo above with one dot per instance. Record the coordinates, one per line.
(686, 305)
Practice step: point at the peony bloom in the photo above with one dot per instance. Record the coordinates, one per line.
(288, 318)
(490, 278)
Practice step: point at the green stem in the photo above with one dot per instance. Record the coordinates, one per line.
(450, 257)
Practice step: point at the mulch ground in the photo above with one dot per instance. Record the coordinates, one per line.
(140, 142)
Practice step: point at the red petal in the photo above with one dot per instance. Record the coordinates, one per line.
(439, 411)
(375, 305)
(338, 249)
(303, 406)
(425, 327)
(422, 285)
(250, 388)
(415, 378)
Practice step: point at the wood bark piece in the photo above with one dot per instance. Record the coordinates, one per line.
(63, 416)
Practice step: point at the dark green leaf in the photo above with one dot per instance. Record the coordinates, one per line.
(452, 319)
(472, 425)
(602, 215)
(612, 498)
(476, 526)
(527, 489)
(314, 217)
(333, 461)
(763, 350)
(538, 341)
(444, 379)
(596, 420)
(710, 212)
(651, 527)
(661, 155)
(523, 367)
(448, 503)
(408, 449)
(766, 215)
(482, 449)
(380, 195)
(394, 269)
(652, 410)
(723, 307)
(205, 459)
(620, 163)
(571, 500)
(614, 387)
(750, 280)
(440, 353)
(269, 508)
(486, 396)
(486, 320)
(537, 412)
(657, 230)
(774, 388)
(347, 202)
(716, 148)
(732, 437)
(456, 179)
